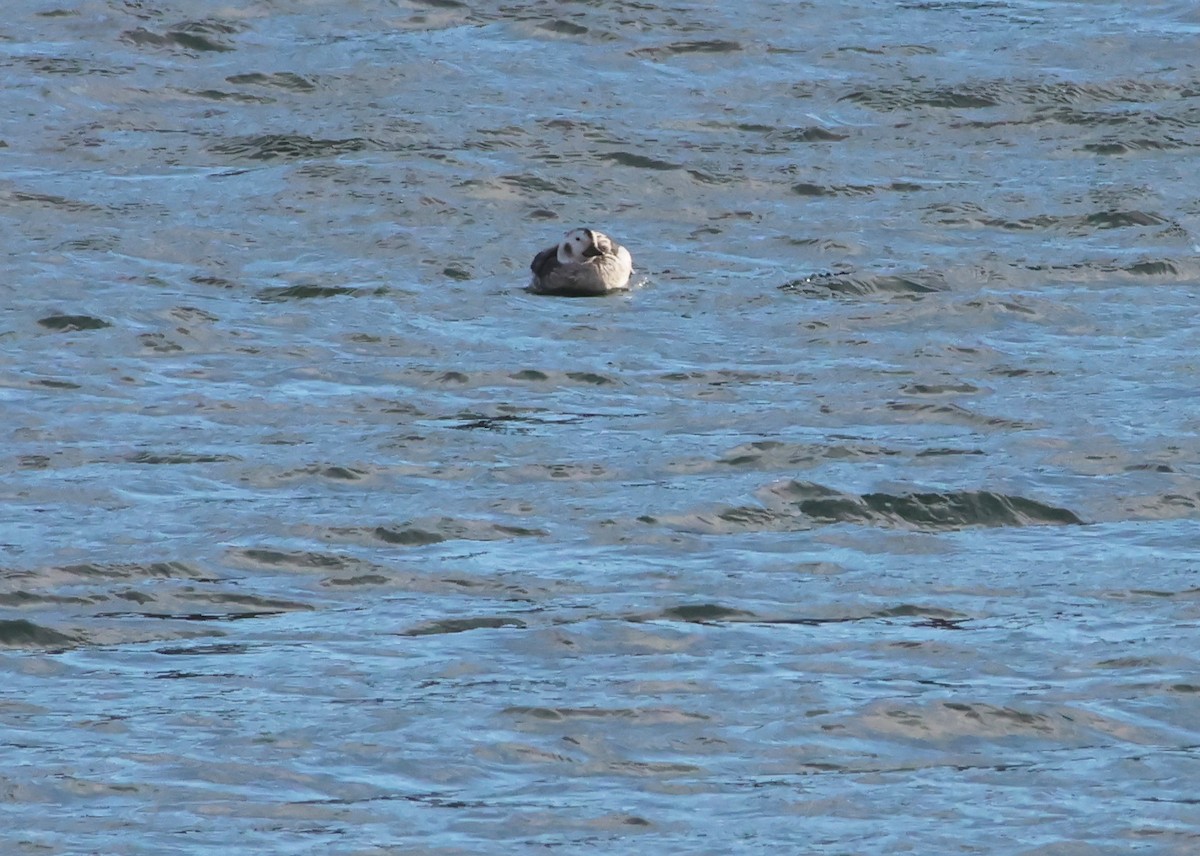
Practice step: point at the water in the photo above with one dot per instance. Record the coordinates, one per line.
(864, 523)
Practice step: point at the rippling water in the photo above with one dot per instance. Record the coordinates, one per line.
(865, 523)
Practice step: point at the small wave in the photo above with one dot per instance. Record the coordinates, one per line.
(73, 66)
(642, 716)
(207, 649)
(809, 189)
(955, 720)
(848, 284)
(304, 292)
(152, 570)
(1124, 147)
(794, 505)
(424, 532)
(950, 413)
(219, 95)
(180, 458)
(563, 472)
(505, 423)
(1167, 269)
(497, 139)
(702, 46)
(1123, 219)
(704, 613)
(939, 389)
(221, 606)
(923, 510)
(561, 27)
(261, 557)
(776, 455)
(1161, 267)
(812, 135)
(971, 216)
(290, 147)
(20, 633)
(994, 93)
(899, 98)
(194, 36)
(278, 80)
(51, 201)
(1166, 506)
(732, 520)
(640, 161)
(463, 625)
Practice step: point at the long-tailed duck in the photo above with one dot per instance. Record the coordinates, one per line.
(584, 264)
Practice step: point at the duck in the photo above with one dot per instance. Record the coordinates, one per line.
(585, 263)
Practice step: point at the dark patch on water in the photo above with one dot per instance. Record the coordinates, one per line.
(72, 323)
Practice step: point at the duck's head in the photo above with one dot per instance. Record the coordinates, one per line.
(578, 245)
